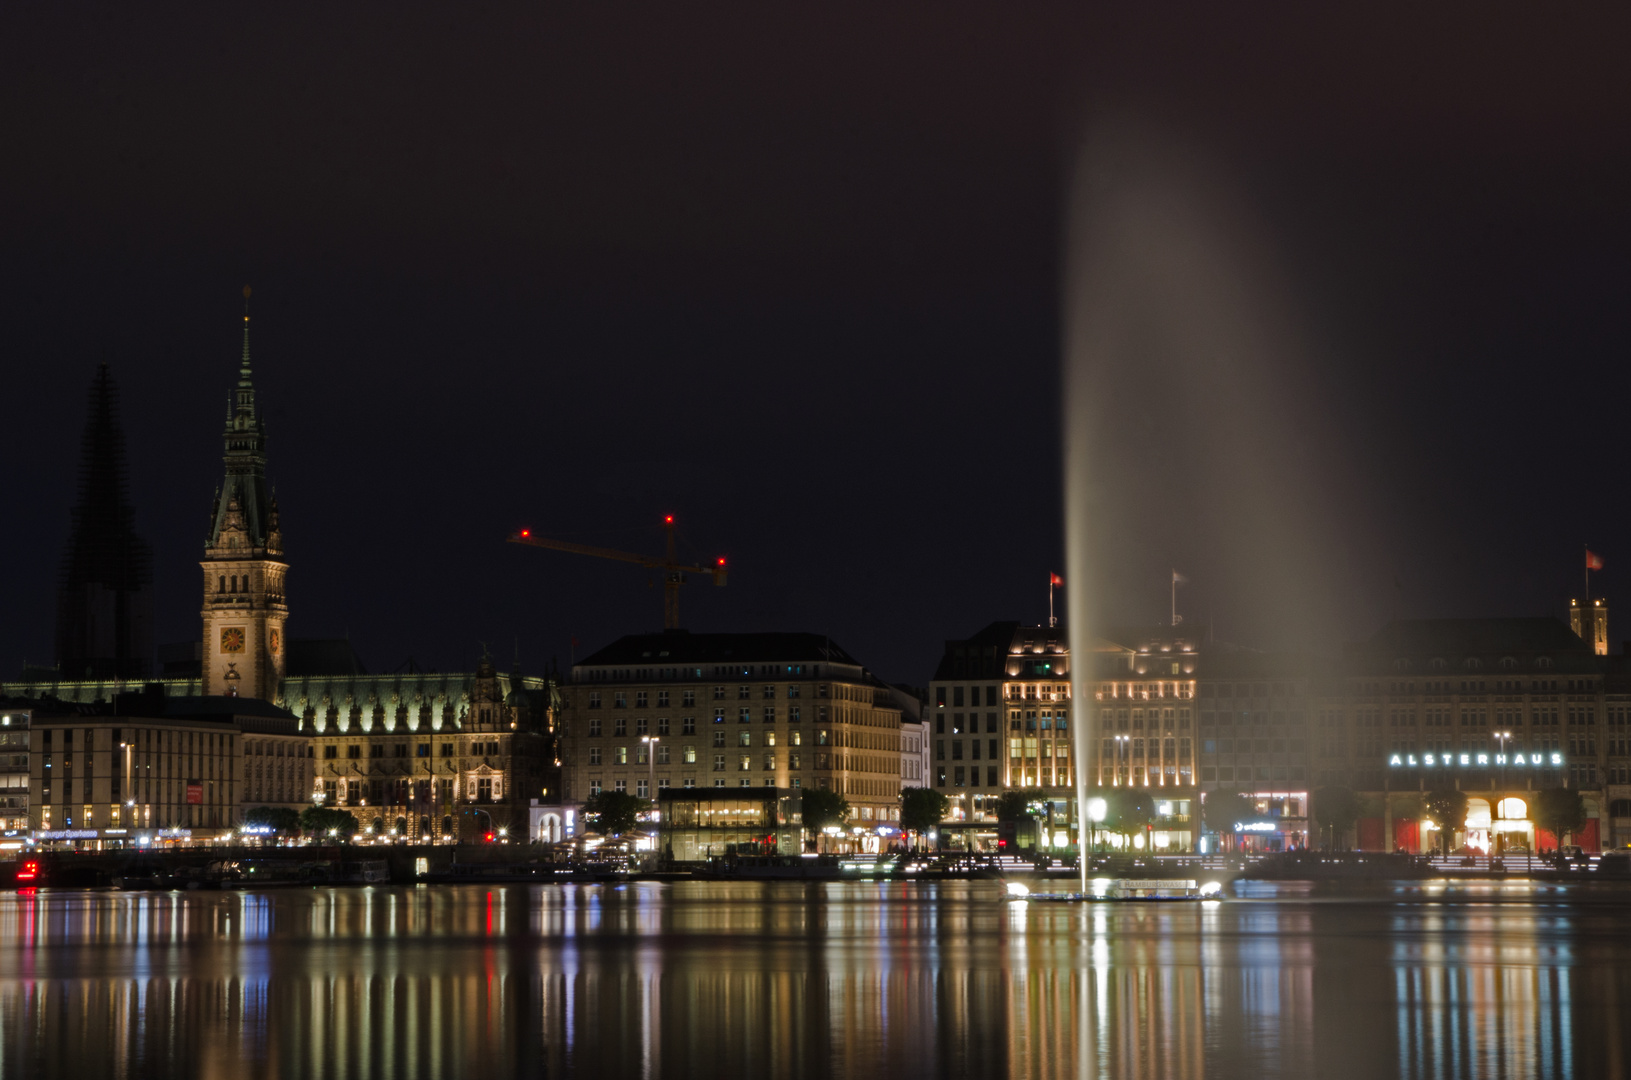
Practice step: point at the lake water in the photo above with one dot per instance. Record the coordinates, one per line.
(787, 980)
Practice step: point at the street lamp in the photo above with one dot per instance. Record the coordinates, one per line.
(1097, 809)
(1504, 737)
(651, 764)
(651, 780)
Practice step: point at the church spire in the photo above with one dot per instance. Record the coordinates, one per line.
(246, 384)
(104, 612)
(244, 491)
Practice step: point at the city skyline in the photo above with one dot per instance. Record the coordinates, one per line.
(521, 323)
(1194, 625)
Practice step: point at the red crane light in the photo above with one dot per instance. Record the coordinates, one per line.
(526, 532)
(668, 519)
(722, 560)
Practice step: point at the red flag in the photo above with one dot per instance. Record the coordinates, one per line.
(1593, 560)
(1055, 579)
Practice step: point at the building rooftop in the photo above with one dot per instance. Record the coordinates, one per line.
(681, 648)
(1458, 638)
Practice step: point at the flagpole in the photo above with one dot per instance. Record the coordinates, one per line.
(1587, 603)
(1175, 596)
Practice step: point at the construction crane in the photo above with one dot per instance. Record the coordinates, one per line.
(673, 570)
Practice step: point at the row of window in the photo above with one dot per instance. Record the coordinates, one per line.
(1122, 749)
(478, 748)
(991, 746)
(1120, 720)
(1227, 773)
(1146, 691)
(688, 698)
(966, 776)
(620, 727)
(1010, 692)
(1253, 719)
(229, 584)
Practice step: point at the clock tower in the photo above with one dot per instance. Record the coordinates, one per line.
(244, 606)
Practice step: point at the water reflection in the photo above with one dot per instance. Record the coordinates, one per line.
(822, 980)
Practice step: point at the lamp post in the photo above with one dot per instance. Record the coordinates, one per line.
(650, 742)
(651, 764)
(1096, 809)
(1500, 838)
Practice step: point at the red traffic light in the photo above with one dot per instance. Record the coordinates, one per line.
(489, 838)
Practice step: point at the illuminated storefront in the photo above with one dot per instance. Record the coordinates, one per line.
(1279, 823)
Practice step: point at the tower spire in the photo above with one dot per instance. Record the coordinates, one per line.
(244, 608)
(243, 371)
(104, 604)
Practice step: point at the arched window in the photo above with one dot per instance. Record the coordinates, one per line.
(223, 585)
(234, 582)
(1402, 664)
(1472, 663)
(1509, 663)
(1543, 661)
(1437, 663)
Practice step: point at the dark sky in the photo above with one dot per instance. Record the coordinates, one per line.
(794, 277)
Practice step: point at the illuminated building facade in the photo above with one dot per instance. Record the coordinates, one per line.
(774, 710)
(1590, 623)
(143, 767)
(406, 773)
(696, 824)
(14, 786)
(245, 652)
(1498, 708)
(1001, 715)
(1254, 711)
(244, 609)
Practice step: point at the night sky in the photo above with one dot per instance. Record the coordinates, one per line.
(794, 277)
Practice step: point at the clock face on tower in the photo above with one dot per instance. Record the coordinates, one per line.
(232, 639)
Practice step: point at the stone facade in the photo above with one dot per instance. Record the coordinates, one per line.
(681, 710)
